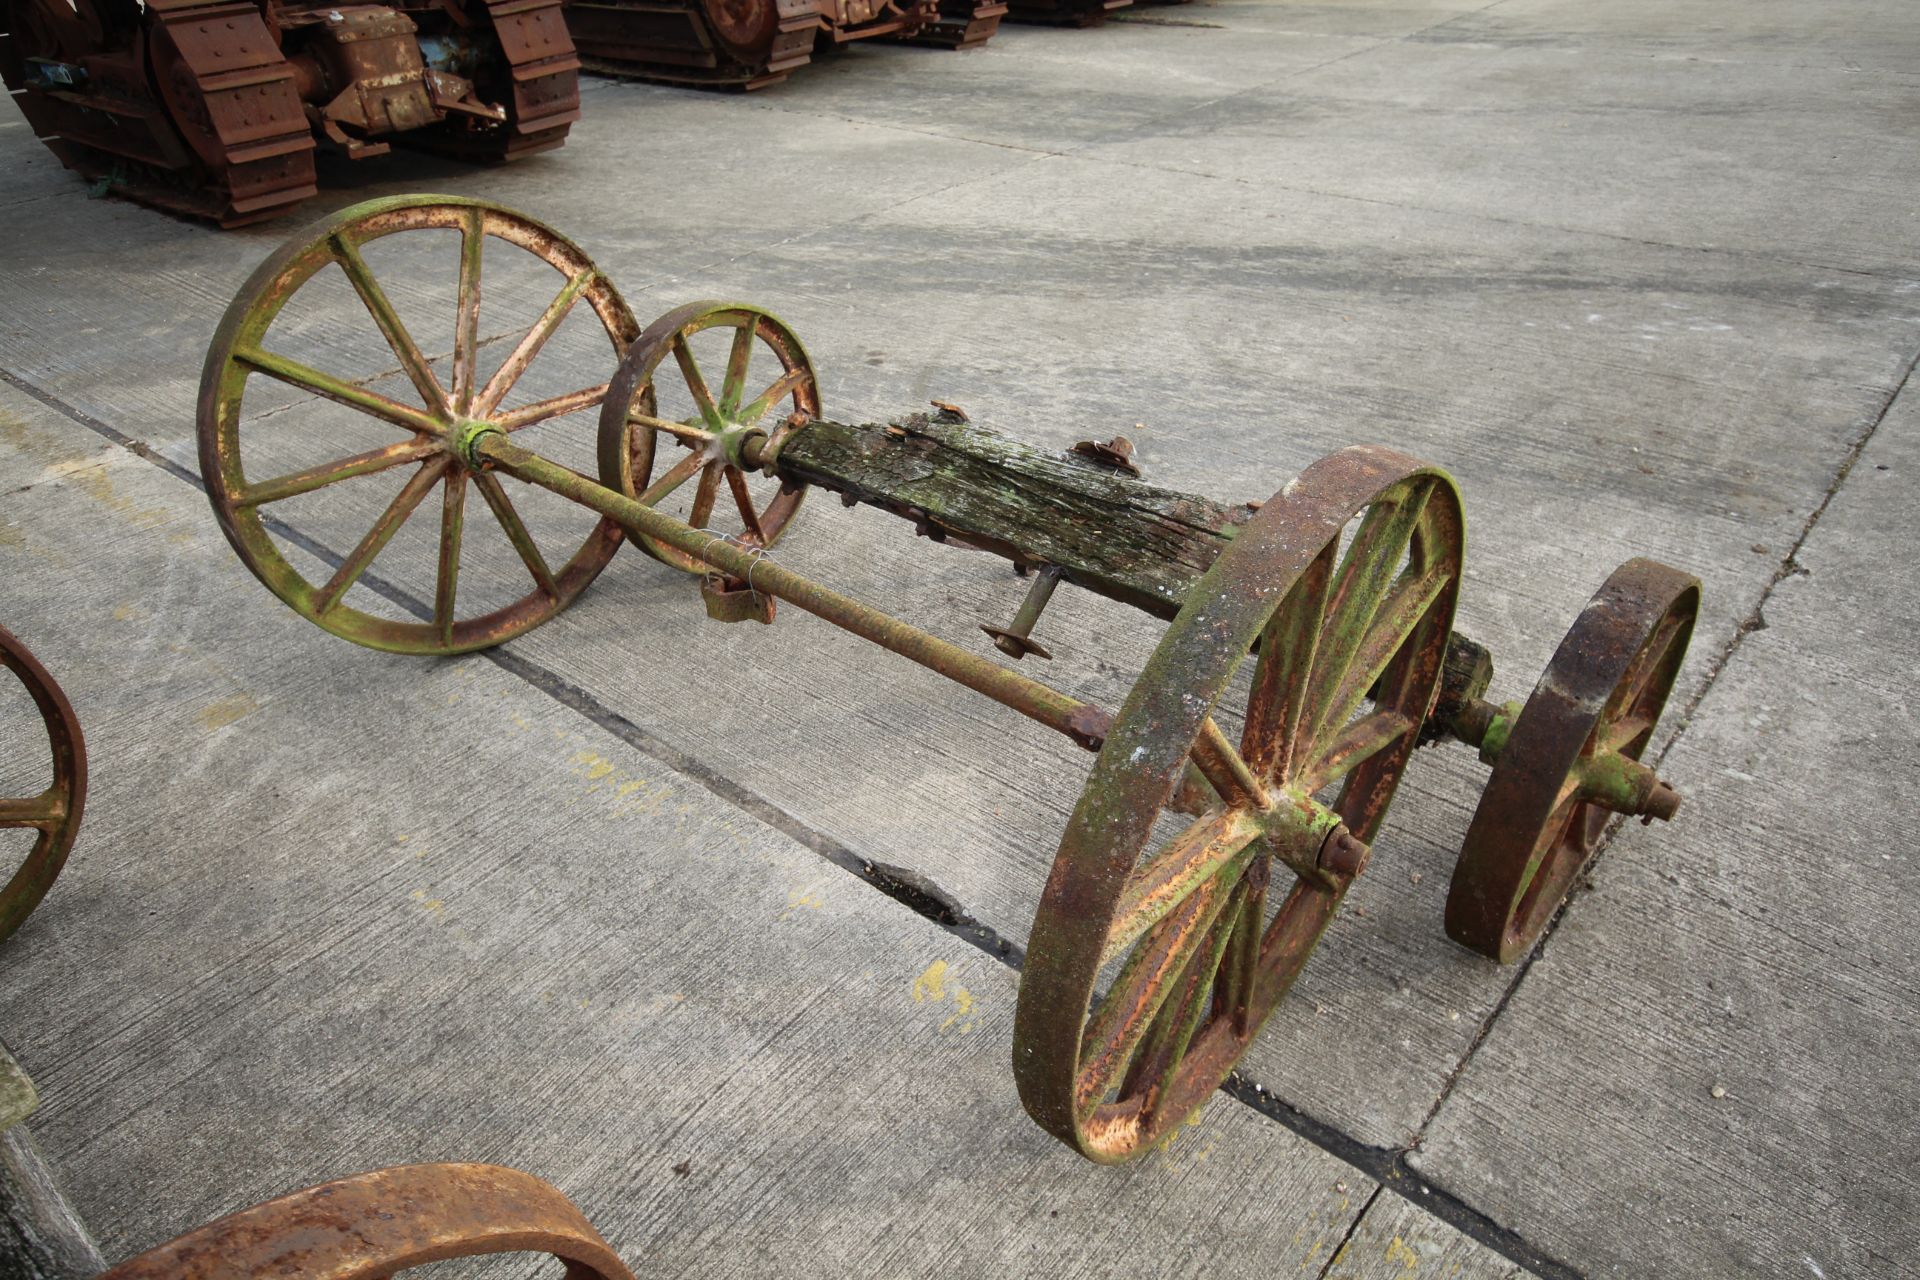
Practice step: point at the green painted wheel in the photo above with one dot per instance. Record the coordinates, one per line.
(427, 422)
(1350, 650)
(630, 431)
(54, 814)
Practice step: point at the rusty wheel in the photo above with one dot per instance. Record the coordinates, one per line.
(1182, 922)
(431, 429)
(379, 1223)
(54, 814)
(640, 405)
(1569, 761)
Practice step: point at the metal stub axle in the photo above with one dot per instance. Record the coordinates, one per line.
(1016, 638)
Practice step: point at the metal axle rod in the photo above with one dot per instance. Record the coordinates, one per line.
(1083, 722)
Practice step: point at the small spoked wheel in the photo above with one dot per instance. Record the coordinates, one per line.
(1350, 644)
(436, 405)
(645, 404)
(1571, 760)
(53, 815)
(390, 1220)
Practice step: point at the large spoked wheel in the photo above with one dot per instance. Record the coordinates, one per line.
(428, 429)
(640, 404)
(54, 814)
(1571, 760)
(1182, 922)
(390, 1220)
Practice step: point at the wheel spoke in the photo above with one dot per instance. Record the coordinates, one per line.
(1553, 833)
(1224, 768)
(1621, 734)
(1646, 665)
(735, 383)
(788, 383)
(360, 464)
(1290, 939)
(1356, 743)
(452, 519)
(295, 374)
(704, 495)
(347, 254)
(679, 474)
(1240, 967)
(1281, 675)
(42, 810)
(743, 500)
(690, 436)
(1159, 885)
(696, 384)
(529, 346)
(516, 532)
(1368, 573)
(466, 329)
(382, 532)
(553, 407)
(1159, 1055)
(1407, 603)
(1126, 1013)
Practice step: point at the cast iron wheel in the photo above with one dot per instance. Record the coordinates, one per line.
(629, 433)
(430, 430)
(1203, 966)
(375, 1224)
(55, 812)
(1540, 818)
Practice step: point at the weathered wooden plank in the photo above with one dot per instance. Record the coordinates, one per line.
(1108, 532)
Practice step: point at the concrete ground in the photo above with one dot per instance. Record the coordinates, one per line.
(597, 904)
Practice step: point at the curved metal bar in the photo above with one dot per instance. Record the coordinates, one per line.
(374, 1224)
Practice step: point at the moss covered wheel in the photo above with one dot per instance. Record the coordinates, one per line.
(766, 380)
(1177, 910)
(430, 422)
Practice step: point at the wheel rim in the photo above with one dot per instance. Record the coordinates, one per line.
(628, 446)
(389, 1220)
(1532, 833)
(1203, 968)
(744, 27)
(54, 813)
(429, 433)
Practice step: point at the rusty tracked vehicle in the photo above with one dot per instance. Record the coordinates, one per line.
(1224, 818)
(748, 44)
(214, 108)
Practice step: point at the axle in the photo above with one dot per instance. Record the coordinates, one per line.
(1072, 517)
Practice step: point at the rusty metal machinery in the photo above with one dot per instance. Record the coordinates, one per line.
(53, 815)
(1063, 13)
(1162, 942)
(748, 44)
(383, 1222)
(213, 108)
